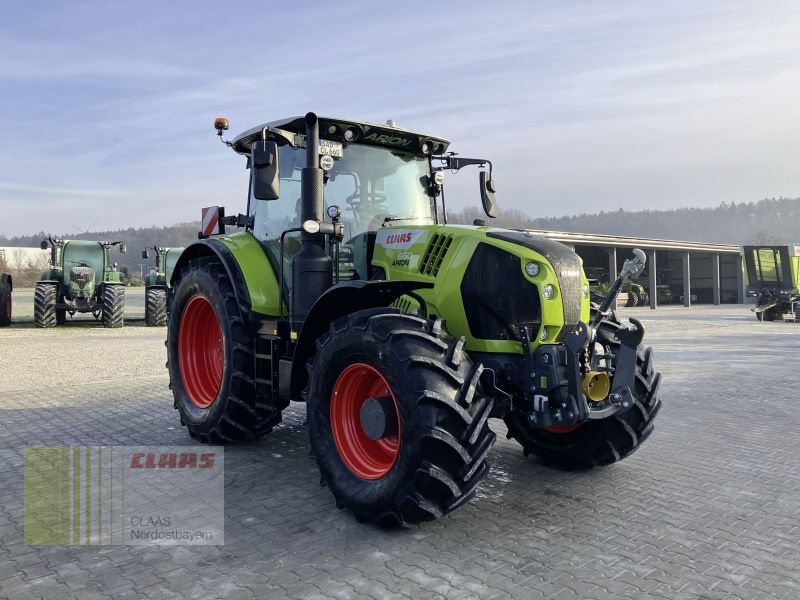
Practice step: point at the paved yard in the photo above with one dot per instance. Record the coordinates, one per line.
(708, 508)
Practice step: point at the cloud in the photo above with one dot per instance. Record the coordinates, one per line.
(580, 105)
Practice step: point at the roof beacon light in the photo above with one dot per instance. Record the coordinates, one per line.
(221, 124)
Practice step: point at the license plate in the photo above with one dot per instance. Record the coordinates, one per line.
(329, 148)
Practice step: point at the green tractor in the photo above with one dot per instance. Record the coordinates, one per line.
(156, 284)
(347, 290)
(636, 292)
(6, 287)
(80, 279)
(773, 278)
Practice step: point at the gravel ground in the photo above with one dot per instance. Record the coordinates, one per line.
(708, 508)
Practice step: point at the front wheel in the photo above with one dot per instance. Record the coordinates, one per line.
(397, 417)
(211, 359)
(113, 306)
(155, 307)
(597, 442)
(44, 304)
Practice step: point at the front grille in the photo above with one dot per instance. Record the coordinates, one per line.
(81, 275)
(569, 280)
(497, 297)
(434, 254)
(567, 266)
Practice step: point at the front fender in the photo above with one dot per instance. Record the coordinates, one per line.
(340, 300)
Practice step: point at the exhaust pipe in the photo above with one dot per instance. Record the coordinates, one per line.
(311, 183)
(312, 268)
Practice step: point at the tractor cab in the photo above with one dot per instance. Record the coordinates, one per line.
(372, 175)
(773, 278)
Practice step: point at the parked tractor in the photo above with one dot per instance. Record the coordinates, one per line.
(80, 279)
(635, 292)
(6, 287)
(773, 278)
(156, 284)
(348, 290)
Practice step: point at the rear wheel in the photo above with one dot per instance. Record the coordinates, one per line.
(44, 304)
(211, 359)
(767, 315)
(113, 306)
(633, 298)
(5, 301)
(397, 417)
(155, 307)
(597, 442)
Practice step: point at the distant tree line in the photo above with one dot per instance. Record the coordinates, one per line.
(769, 221)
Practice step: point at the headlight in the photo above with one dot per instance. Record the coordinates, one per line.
(549, 292)
(532, 269)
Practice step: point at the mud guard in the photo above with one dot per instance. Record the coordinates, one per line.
(341, 299)
(215, 248)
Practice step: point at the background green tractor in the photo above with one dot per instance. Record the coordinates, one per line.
(6, 287)
(773, 278)
(81, 279)
(156, 284)
(635, 290)
(347, 290)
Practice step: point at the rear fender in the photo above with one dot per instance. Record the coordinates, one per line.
(340, 300)
(211, 247)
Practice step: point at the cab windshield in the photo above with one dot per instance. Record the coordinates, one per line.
(372, 187)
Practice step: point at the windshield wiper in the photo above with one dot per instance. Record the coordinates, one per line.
(391, 219)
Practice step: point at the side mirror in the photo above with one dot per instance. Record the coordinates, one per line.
(487, 194)
(123, 248)
(145, 254)
(264, 178)
(43, 245)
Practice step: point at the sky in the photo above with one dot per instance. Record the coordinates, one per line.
(107, 107)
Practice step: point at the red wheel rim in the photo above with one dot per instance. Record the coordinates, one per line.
(200, 351)
(561, 428)
(365, 457)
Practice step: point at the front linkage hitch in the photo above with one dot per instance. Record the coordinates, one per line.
(558, 391)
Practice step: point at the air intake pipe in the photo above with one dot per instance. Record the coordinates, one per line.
(312, 268)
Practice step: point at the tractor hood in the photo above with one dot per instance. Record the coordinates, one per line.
(79, 253)
(490, 282)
